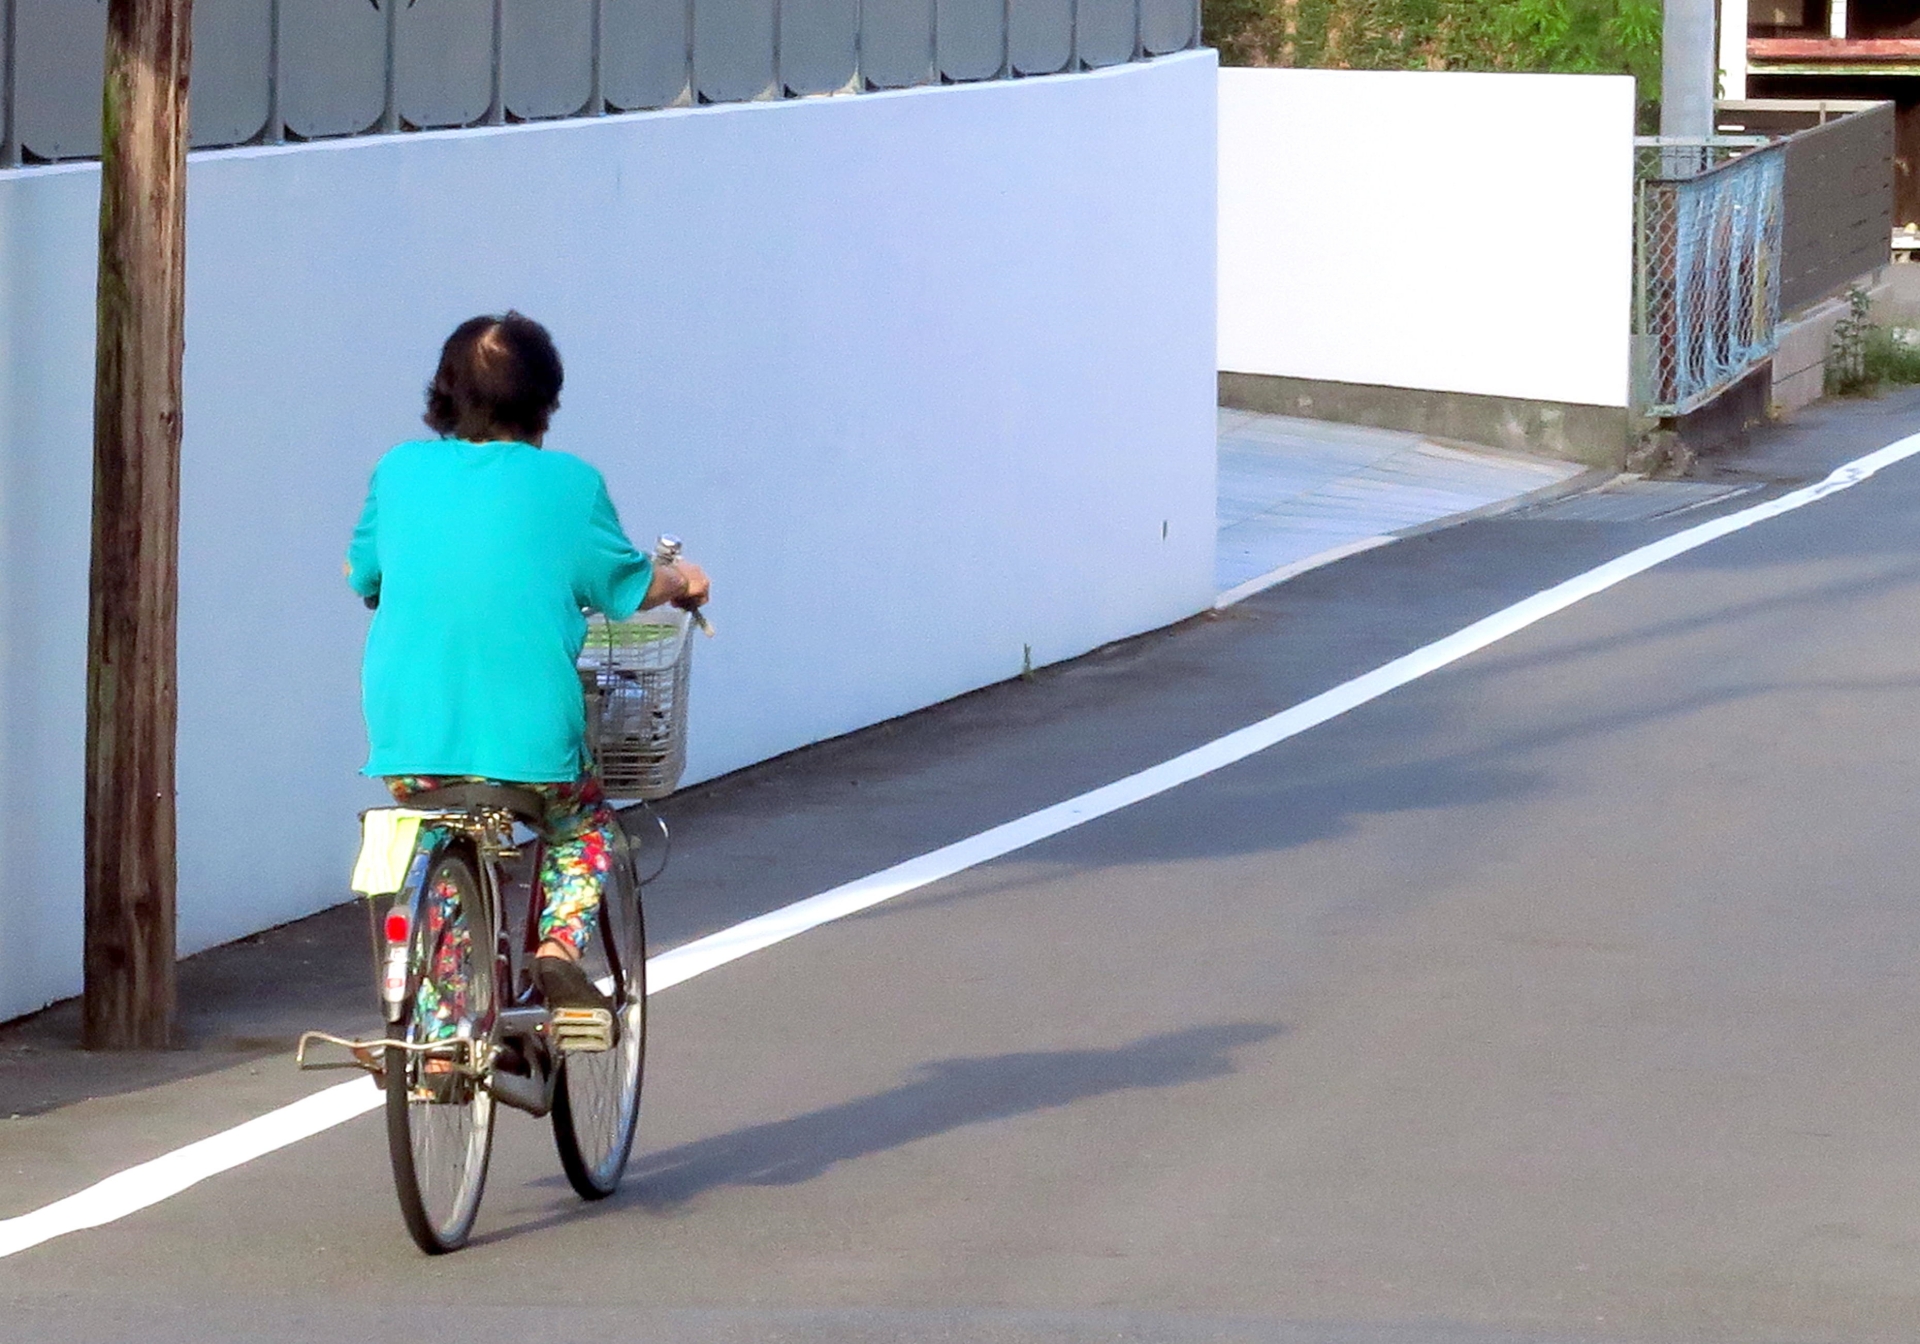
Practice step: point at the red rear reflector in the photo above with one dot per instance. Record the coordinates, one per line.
(396, 926)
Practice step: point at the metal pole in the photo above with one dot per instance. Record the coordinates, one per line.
(1687, 70)
(497, 101)
(1688, 73)
(1642, 343)
(597, 83)
(779, 79)
(276, 132)
(390, 114)
(9, 117)
(1733, 49)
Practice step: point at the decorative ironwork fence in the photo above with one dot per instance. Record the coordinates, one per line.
(272, 70)
(1707, 267)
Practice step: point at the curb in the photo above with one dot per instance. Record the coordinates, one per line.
(1591, 479)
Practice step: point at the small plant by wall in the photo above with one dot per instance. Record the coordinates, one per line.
(1865, 357)
(1893, 356)
(1847, 356)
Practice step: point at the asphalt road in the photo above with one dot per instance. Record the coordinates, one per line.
(1565, 994)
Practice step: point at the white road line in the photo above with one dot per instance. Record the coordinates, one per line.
(150, 1182)
(138, 1187)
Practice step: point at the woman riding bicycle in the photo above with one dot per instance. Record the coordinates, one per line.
(480, 552)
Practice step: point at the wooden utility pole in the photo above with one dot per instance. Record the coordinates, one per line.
(133, 589)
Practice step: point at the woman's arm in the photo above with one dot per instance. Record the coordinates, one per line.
(363, 554)
(615, 578)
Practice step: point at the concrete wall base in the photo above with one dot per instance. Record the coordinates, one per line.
(1800, 361)
(1806, 337)
(1599, 436)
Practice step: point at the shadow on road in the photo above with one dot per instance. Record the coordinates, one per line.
(939, 1097)
(944, 1095)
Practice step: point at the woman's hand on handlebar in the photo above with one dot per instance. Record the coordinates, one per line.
(682, 583)
(698, 589)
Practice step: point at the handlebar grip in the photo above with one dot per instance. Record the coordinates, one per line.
(667, 550)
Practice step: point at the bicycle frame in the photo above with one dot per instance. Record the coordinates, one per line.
(517, 1029)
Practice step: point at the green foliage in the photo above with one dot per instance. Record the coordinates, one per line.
(1893, 356)
(1864, 358)
(1571, 36)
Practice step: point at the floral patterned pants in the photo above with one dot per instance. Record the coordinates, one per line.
(579, 850)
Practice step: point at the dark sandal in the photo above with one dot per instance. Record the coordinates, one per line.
(564, 985)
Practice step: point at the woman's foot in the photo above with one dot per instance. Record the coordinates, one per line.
(564, 985)
(582, 1017)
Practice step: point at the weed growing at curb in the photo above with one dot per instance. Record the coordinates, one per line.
(1865, 357)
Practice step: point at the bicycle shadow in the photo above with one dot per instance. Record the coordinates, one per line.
(939, 1097)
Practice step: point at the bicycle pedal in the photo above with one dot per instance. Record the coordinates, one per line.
(582, 1029)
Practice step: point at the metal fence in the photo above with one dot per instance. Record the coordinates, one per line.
(1707, 268)
(272, 70)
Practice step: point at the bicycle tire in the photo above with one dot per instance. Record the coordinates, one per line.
(440, 1124)
(596, 1104)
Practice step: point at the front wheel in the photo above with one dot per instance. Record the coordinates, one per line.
(597, 1102)
(439, 1116)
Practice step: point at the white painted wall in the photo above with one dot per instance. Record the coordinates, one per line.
(1441, 231)
(949, 351)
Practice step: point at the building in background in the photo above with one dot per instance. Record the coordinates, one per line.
(1840, 49)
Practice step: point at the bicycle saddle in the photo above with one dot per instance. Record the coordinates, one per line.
(523, 805)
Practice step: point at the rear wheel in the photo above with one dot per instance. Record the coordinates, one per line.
(439, 1117)
(597, 1103)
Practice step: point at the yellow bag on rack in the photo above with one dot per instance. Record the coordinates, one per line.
(387, 837)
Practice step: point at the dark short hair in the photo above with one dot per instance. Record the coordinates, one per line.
(499, 377)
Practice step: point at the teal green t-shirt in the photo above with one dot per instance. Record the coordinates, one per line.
(483, 556)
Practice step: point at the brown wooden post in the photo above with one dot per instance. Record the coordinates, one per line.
(132, 593)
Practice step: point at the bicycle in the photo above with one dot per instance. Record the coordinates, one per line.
(465, 1027)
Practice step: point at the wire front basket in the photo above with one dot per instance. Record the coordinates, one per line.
(635, 675)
